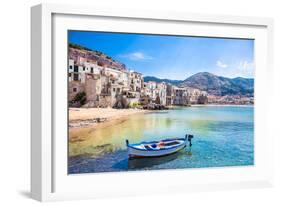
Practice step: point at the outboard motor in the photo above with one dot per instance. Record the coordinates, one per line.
(189, 138)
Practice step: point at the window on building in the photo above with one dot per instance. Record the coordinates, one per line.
(70, 67)
(74, 89)
(92, 70)
(114, 89)
(83, 68)
(75, 68)
(69, 74)
(75, 77)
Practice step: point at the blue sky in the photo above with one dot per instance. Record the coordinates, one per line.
(173, 57)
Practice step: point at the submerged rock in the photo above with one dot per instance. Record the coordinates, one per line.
(86, 123)
(154, 106)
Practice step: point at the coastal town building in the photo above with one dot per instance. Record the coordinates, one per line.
(180, 96)
(230, 99)
(155, 91)
(105, 82)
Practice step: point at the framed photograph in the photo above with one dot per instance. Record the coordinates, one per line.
(137, 102)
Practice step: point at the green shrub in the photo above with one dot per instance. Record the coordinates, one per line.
(134, 104)
(80, 97)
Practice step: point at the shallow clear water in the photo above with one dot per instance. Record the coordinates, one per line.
(223, 136)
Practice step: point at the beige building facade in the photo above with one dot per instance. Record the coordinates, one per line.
(104, 81)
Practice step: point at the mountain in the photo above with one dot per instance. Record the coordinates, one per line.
(213, 84)
(218, 85)
(155, 79)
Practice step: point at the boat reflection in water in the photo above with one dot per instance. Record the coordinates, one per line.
(147, 162)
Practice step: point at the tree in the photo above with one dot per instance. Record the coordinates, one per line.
(80, 97)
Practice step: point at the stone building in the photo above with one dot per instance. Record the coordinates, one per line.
(92, 87)
(102, 84)
(184, 95)
(136, 81)
(180, 96)
(74, 87)
(77, 71)
(194, 94)
(155, 90)
(169, 94)
(161, 92)
(107, 82)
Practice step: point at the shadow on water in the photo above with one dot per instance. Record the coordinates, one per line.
(149, 162)
(142, 163)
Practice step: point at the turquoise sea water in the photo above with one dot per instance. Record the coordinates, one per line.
(223, 136)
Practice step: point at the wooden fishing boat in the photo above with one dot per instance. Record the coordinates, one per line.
(158, 148)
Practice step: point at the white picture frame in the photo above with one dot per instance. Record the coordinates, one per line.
(49, 179)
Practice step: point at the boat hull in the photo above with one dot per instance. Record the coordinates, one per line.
(133, 152)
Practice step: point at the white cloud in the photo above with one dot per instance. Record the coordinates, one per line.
(135, 56)
(221, 65)
(239, 68)
(245, 65)
(246, 68)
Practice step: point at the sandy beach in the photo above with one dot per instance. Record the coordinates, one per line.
(84, 117)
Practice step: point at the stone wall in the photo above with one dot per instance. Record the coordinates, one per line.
(105, 101)
(92, 84)
(74, 87)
